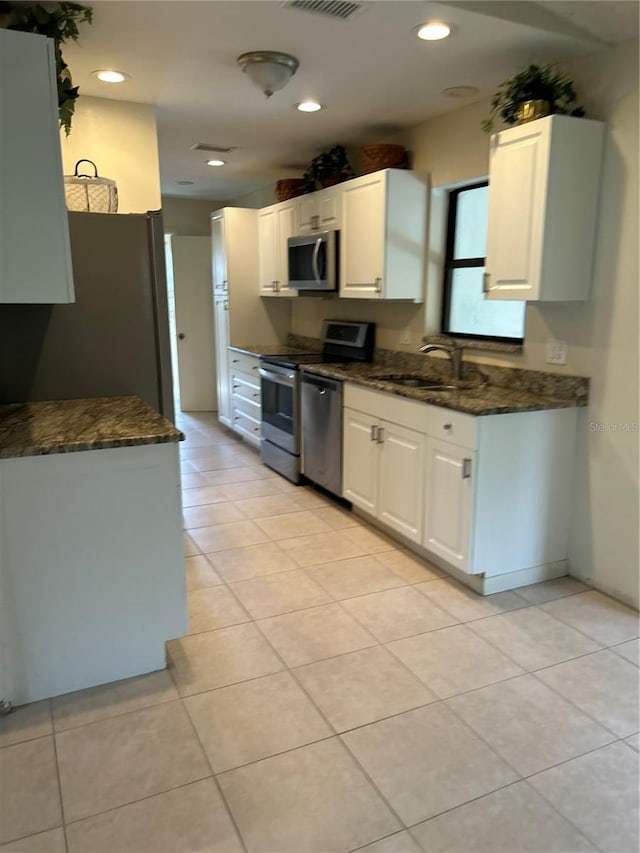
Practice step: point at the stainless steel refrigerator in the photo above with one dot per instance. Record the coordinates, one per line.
(114, 340)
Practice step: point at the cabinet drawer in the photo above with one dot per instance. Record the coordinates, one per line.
(245, 385)
(389, 407)
(249, 407)
(246, 425)
(447, 425)
(244, 363)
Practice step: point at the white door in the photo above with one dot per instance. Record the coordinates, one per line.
(401, 486)
(286, 228)
(307, 219)
(221, 317)
(194, 323)
(330, 202)
(362, 239)
(360, 453)
(516, 212)
(448, 502)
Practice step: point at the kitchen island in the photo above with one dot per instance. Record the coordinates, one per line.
(92, 567)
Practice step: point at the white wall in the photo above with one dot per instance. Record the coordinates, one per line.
(121, 138)
(188, 217)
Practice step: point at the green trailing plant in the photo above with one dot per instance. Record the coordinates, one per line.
(332, 165)
(57, 21)
(535, 83)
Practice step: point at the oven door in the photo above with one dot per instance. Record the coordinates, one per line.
(280, 407)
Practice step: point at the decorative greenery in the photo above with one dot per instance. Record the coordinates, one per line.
(535, 83)
(57, 21)
(329, 165)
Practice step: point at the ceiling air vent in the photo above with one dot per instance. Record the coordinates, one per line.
(205, 146)
(341, 9)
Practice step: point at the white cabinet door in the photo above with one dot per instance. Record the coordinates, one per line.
(361, 452)
(330, 208)
(286, 228)
(221, 317)
(544, 180)
(218, 254)
(268, 250)
(401, 479)
(35, 257)
(363, 238)
(306, 207)
(448, 502)
(516, 206)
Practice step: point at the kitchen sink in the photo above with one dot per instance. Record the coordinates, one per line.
(416, 382)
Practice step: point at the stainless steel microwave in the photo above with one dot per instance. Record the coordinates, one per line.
(314, 261)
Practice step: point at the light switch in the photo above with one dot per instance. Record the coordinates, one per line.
(556, 351)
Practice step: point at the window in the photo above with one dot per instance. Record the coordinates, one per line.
(465, 311)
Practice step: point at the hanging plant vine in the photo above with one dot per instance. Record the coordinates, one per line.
(57, 21)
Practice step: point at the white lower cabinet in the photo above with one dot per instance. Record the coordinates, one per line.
(448, 502)
(221, 325)
(383, 463)
(487, 495)
(244, 385)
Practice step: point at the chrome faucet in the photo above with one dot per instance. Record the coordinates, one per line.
(453, 350)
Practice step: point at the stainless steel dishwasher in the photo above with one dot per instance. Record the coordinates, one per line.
(322, 431)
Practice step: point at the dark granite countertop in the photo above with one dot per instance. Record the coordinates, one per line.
(476, 395)
(67, 426)
(271, 349)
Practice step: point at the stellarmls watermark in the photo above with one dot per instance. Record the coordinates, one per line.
(599, 426)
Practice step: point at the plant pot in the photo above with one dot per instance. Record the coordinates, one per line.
(531, 110)
(287, 188)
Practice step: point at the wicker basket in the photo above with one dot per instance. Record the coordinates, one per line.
(383, 156)
(90, 193)
(288, 188)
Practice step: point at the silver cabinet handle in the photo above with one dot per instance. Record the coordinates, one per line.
(226, 306)
(380, 435)
(466, 469)
(235, 360)
(225, 284)
(486, 277)
(378, 285)
(374, 430)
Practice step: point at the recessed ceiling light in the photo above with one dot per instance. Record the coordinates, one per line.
(215, 162)
(111, 76)
(460, 91)
(184, 183)
(434, 31)
(308, 107)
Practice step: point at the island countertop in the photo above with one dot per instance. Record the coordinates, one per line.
(68, 426)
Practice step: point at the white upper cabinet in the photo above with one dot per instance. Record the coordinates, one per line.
(382, 240)
(275, 225)
(35, 256)
(319, 211)
(544, 179)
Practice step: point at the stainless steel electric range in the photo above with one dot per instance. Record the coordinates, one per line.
(342, 341)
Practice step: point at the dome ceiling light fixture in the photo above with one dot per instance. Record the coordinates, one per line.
(460, 91)
(215, 162)
(434, 30)
(268, 69)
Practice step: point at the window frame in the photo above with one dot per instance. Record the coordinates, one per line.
(450, 264)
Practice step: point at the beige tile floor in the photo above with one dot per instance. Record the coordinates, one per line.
(336, 694)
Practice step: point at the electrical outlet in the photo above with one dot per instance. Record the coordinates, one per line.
(405, 336)
(556, 351)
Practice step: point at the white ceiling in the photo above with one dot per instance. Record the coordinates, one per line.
(374, 76)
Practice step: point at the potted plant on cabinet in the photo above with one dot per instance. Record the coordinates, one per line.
(536, 91)
(57, 21)
(328, 168)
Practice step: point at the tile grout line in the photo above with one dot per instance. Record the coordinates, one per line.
(58, 778)
(216, 782)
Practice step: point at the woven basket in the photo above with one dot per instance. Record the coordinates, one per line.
(288, 188)
(90, 193)
(383, 156)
